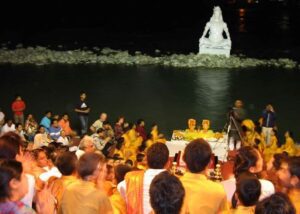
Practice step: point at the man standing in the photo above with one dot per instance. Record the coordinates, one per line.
(18, 106)
(83, 110)
(235, 116)
(268, 122)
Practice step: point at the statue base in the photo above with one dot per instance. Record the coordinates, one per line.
(214, 51)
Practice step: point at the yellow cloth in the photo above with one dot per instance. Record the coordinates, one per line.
(294, 195)
(262, 144)
(141, 166)
(272, 149)
(59, 186)
(249, 138)
(131, 143)
(243, 210)
(288, 147)
(203, 195)
(135, 140)
(109, 187)
(119, 153)
(149, 142)
(118, 203)
(156, 138)
(206, 133)
(129, 151)
(134, 191)
(83, 197)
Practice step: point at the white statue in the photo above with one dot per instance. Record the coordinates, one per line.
(215, 43)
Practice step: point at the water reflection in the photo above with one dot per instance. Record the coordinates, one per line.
(284, 22)
(212, 93)
(168, 96)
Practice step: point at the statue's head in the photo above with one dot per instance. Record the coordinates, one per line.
(192, 124)
(205, 124)
(217, 14)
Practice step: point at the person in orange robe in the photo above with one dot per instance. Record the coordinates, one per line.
(66, 163)
(137, 183)
(201, 194)
(84, 195)
(156, 136)
(64, 123)
(116, 199)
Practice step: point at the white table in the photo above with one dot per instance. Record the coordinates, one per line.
(219, 148)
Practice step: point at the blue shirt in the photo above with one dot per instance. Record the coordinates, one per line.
(46, 122)
(269, 119)
(54, 132)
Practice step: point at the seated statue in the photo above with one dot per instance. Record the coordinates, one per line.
(192, 125)
(205, 132)
(215, 43)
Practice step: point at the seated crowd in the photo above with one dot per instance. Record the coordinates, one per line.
(122, 169)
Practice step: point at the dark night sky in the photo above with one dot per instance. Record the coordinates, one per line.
(119, 24)
(137, 14)
(26, 22)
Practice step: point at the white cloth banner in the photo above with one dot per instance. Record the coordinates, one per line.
(219, 148)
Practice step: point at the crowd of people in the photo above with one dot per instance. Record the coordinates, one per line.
(47, 167)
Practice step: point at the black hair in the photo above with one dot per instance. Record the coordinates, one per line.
(10, 145)
(197, 155)
(18, 95)
(37, 151)
(9, 169)
(277, 203)
(246, 157)
(48, 111)
(52, 121)
(120, 172)
(248, 189)
(140, 157)
(17, 124)
(66, 163)
(82, 92)
(157, 156)
(139, 121)
(120, 142)
(100, 130)
(279, 158)
(153, 124)
(166, 194)
(88, 163)
(290, 133)
(105, 123)
(40, 126)
(294, 166)
(129, 162)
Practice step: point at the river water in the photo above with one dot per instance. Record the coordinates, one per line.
(165, 95)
